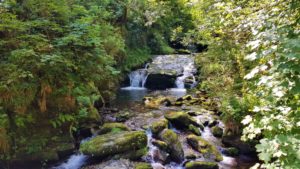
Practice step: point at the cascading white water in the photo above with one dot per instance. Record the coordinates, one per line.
(187, 73)
(75, 161)
(138, 78)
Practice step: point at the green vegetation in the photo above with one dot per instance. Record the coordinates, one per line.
(60, 57)
(252, 65)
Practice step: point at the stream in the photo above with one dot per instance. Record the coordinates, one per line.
(130, 99)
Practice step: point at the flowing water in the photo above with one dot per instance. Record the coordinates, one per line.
(133, 95)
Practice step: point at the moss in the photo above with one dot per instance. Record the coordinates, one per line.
(201, 164)
(114, 143)
(122, 117)
(160, 144)
(158, 126)
(132, 155)
(181, 119)
(204, 147)
(174, 145)
(187, 97)
(217, 131)
(178, 103)
(194, 130)
(143, 166)
(113, 127)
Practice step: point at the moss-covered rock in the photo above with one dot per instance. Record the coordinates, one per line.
(155, 103)
(201, 165)
(132, 155)
(204, 147)
(217, 131)
(112, 127)
(142, 165)
(122, 116)
(160, 144)
(159, 126)
(115, 143)
(180, 119)
(190, 154)
(194, 130)
(174, 145)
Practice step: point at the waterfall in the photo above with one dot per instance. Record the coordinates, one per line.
(75, 161)
(187, 75)
(138, 78)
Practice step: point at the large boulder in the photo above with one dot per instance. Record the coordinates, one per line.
(164, 70)
(155, 103)
(201, 164)
(126, 142)
(160, 81)
(174, 145)
(181, 119)
(204, 147)
(112, 127)
(159, 126)
(217, 131)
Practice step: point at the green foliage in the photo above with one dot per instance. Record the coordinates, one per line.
(258, 43)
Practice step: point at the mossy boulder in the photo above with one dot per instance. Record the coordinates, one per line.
(160, 144)
(204, 147)
(201, 165)
(194, 130)
(142, 165)
(181, 119)
(155, 103)
(122, 116)
(112, 127)
(132, 155)
(159, 126)
(217, 131)
(174, 145)
(115, 143)
(190, 154)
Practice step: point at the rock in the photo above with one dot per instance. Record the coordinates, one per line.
(187, 97)
(217, 131)
(164, 70)
(243, 147)
(112, 164)
(132, 155)
(204, 147)
(212, 123)
(142, 165)
(174, 145)
(178, 103)
(112, 127)
(160, 156)
(181, 119)
(122, 116)
(194, 130)
(160, 144)
(201, 165)
(155, 103)
(160, 81)
(159, 126)
(190, 155)
(192, 113)
(231, 151)
(115, 143)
